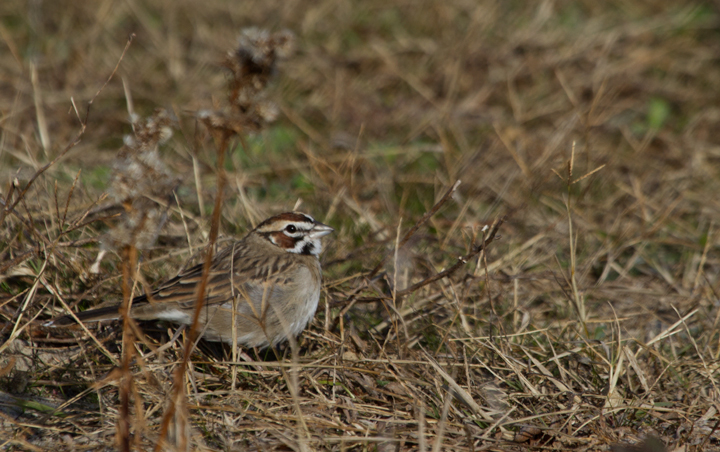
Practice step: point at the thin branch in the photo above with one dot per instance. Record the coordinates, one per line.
(190, 340)
(448, 271)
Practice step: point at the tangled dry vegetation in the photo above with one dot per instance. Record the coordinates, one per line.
(589, 322)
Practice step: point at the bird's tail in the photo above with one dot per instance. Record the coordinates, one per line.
(106, 313)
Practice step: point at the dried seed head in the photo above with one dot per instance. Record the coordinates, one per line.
(252, 64)
(267, 111)
(140, 176)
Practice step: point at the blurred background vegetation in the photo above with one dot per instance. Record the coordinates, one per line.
(384, 105)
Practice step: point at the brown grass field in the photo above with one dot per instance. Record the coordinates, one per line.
(585, 133)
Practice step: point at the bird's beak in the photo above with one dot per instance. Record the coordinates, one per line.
(320, 230)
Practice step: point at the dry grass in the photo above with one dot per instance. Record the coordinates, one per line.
(591, 322)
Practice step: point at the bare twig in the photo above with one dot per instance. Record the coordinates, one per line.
(129, 257)
(448, 271)
(199, 303)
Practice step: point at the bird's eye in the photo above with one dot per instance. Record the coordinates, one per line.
(290, 228)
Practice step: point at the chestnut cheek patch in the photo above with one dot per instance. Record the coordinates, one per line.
(282, 240)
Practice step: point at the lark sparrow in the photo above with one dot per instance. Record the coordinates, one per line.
(272, 277)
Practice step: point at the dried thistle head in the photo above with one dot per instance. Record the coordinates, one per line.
(140, 177)
(157, 129)
(252, 64)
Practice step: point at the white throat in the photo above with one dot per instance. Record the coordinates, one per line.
(307, 245)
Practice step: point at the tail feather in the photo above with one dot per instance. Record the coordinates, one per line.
(106, 313)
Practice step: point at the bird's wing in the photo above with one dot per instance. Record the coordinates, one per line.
(181, 291)
(236, 271)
